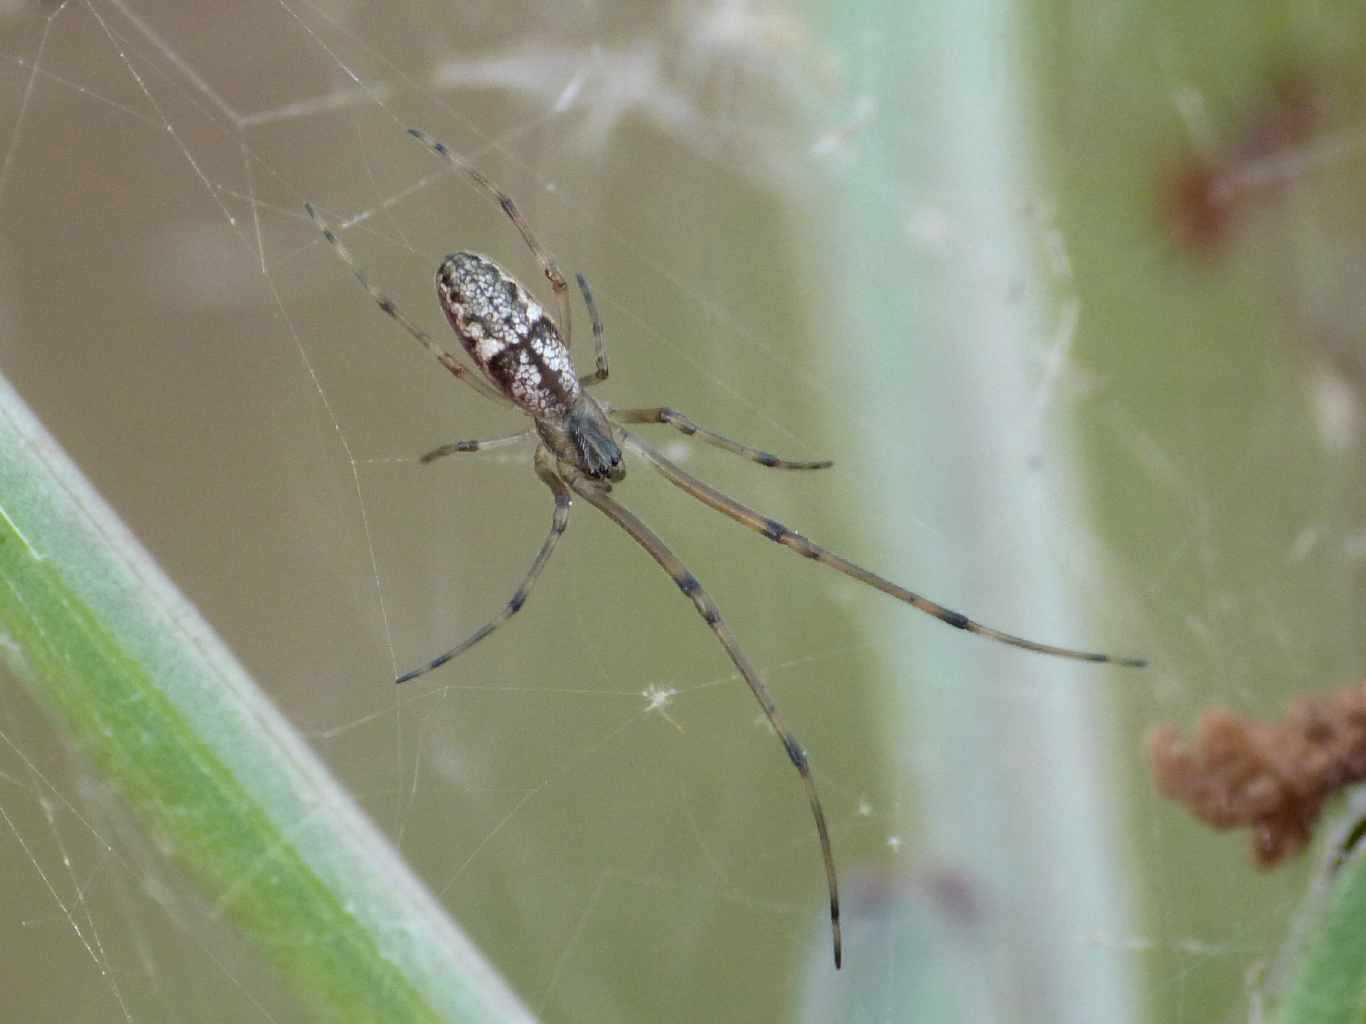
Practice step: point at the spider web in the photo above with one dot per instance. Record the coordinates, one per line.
(1046, 413)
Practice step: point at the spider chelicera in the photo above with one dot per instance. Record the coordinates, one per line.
(524, 360)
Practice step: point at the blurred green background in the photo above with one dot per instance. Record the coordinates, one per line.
(945, 247)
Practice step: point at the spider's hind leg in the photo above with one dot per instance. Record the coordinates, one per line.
(390, 309)
(681, 423)
(549, 267)
(485, 445)
(599, 337)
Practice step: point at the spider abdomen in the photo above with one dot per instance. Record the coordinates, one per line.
(507, 334)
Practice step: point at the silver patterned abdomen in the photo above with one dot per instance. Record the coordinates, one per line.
(507, 334)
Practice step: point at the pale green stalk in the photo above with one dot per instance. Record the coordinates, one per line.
(146, 691)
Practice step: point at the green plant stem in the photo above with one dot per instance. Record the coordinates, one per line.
(149, 694)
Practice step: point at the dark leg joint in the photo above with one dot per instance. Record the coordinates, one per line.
(436, 663)
(796, 753)
(956, 619)
(774, 530)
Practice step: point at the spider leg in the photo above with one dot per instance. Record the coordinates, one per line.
(780, 534)
(681, 423)
(457, 368)
(599, 337)
(476, 445)
(545, 470)
(597, 495)
(547, 262)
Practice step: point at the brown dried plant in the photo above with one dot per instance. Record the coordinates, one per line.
(1272, 777)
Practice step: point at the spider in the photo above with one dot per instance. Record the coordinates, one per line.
(524, 359)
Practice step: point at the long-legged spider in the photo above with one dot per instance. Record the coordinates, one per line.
(525, 360)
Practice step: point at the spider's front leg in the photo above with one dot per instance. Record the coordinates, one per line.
(545, 469)
(775, 531)
(595, 493)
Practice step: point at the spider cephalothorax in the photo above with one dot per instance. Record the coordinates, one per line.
(524, 360)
